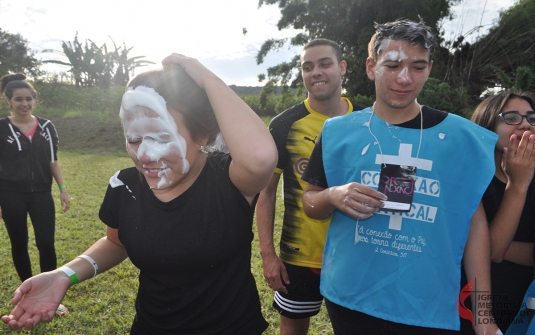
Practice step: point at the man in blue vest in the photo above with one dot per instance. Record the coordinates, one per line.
(403, 183)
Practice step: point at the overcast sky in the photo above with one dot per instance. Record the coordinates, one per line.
(210, 30)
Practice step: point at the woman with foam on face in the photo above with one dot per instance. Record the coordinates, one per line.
(183, 214)
(508, 201)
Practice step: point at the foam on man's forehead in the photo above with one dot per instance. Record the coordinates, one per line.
(392, 55)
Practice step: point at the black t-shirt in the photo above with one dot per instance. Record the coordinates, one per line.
(315, 172)
(194, 253)
(510, 280)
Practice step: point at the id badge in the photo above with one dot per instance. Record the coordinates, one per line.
(397, 183)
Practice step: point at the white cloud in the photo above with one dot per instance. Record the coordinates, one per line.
(470, 14)
(210, 30)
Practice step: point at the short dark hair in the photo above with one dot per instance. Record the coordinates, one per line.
(402, 30)
(487, 111)
(323, 41)
(11, 82)
(182, 94)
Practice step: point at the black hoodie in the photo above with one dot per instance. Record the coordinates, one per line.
(25, 163)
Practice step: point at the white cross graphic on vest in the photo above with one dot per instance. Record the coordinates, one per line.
(403, 158)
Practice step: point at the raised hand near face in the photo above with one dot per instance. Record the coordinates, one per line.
(518, 160)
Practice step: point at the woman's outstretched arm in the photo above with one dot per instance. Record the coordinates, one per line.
(249, 142)
(37, 299)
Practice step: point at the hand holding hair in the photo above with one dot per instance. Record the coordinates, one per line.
(198, 72)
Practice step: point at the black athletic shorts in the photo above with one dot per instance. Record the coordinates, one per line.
(304, 298)
(349, 322)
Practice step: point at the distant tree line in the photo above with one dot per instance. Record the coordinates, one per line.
(16, 56)
(462, 72)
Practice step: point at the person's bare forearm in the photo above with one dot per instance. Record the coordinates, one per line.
(355, 199)
(316, 203)
(253, 160)
(56, 173)
(106, 252)
(518, 165)
(248, 140)
(477, 266)
(520, 253)
(265, 216)
(505, 223)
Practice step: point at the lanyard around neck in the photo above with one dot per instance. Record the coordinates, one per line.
(379, 144)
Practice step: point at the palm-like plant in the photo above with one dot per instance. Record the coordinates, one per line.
(92, 65)
(126, 65)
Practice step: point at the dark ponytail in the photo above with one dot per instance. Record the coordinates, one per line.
(11, 82)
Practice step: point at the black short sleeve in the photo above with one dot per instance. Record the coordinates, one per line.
(315, 171)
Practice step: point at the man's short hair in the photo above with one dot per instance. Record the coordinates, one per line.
(324, 41)
(402, 30)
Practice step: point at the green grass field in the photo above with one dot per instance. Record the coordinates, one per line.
(91, 151)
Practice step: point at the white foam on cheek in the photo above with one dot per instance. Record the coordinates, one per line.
(380, 72)
(163, 176)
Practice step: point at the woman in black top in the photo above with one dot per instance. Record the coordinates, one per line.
(28, 162)
(183, 214)
(509, 200)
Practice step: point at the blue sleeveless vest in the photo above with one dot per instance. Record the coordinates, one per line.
(523, 323)
(404, 267)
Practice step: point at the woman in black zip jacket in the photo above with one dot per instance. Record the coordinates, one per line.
(28, 162)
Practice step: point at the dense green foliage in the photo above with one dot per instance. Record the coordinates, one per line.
(504, 57)
(16, 56)
(59, 98)
(441, 96)
(522, 80)
(350, 24)
(494, 59)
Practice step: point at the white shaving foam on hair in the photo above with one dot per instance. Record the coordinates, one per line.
(150, 145)
(384, 45)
